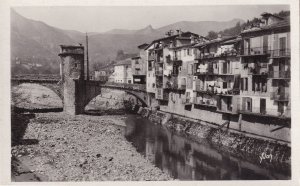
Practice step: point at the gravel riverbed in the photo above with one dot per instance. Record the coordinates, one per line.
(58, 147)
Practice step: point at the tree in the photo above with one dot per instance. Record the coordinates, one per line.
(120, 55)
(232, 31)
(283, 13)
(212, 35)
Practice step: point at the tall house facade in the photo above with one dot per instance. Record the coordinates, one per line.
(217, 75)
(265, 74)
(242, 81)
(139, 66)
(123, 72)
(167, 64)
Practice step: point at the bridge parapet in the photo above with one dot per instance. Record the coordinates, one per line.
(53, 77)
(135, 87)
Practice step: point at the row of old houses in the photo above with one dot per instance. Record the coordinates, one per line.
(186, 73)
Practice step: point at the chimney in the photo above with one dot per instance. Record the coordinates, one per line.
(179, 32)
(171, 32)
(167, 34)
(192, 38)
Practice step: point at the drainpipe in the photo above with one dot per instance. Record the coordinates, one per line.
(87, 58)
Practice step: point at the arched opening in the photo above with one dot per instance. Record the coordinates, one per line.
(110, 101)
(34, 96)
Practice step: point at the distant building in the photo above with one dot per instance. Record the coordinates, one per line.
(122, 72)
(101, 75)
(139, 66)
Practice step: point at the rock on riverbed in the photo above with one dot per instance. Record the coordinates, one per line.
(82, 148)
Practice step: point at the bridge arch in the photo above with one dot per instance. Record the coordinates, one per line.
(143, 100)
(53, 89)
(95, 92)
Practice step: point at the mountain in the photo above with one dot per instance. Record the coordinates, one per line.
(200, 27)
(148, 30)
(34, 38)
(36, 42)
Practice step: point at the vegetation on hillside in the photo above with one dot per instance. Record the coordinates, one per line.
(233, 31)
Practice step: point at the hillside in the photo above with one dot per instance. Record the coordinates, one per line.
(35, 41)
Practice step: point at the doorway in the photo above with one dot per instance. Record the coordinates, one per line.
(263, 106)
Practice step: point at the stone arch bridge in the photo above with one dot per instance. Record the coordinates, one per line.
(85, 90)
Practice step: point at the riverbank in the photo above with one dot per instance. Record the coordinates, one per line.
(58, 147)
(264, 152)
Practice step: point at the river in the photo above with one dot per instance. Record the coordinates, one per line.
(185, 159)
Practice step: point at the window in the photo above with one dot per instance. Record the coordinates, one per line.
(242, 83)
(76, 65)
(248, 105)
(190, 69)
(246, 84)
(280, 107)
(224, 84)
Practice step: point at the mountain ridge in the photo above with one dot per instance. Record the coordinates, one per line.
(37, 41)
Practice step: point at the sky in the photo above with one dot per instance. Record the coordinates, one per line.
(105, 18)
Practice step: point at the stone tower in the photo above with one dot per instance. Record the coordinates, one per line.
(72, 74)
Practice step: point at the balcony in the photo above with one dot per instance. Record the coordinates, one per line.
(176, 58)
(208, 55)
(158, 71)
(202, 71)
(168, 59)
(159, 60)
(171, 85)
(207, 90)
(253, 111)
(226, 53)
(182, 87)
(280, 74)
(199, 88)
(204, 102)
(286, 52)
(138, 73)
(137, 66)
(257, 111)
(161, 95)
(280, 96)
(256, 51)
(151, 58)
(257, 71)
(229, 92)
(186, 100)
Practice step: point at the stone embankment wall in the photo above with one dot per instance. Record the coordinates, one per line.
(266, 152)
(256, 124)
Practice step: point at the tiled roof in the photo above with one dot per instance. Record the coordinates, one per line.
(218, 40)
(170, 37)
(123, 62)
(183, 46)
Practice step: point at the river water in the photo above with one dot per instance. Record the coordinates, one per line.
(185, 159)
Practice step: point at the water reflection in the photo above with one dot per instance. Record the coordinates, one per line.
(185, 159)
